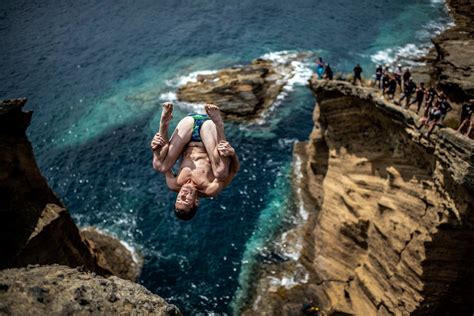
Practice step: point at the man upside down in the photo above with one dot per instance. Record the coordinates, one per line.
(208, 162)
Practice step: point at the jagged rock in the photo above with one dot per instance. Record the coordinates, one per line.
(60, 290)
(240, 91)
(449, 63)
(111, 254)
(34, 225)
(390, 229)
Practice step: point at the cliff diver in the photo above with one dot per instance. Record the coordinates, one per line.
(208, 162)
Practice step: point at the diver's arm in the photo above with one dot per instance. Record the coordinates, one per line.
(218, 185)
(160, 148)
(171, 181)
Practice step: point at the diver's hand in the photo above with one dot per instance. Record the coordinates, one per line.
(225, 149)
(158, 142)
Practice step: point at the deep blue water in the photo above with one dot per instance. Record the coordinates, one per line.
(95, 73)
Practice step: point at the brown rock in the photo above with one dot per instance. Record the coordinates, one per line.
(390, 228)
(60, 290)
(35, 228)
(111, 254)
(450, 63)
(240, 91)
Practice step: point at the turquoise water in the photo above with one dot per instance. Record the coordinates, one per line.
(95, 74)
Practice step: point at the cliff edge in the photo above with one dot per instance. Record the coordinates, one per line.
(390, 227)
(36, 229)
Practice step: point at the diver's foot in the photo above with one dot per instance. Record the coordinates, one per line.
(214, 113)
(167, 112)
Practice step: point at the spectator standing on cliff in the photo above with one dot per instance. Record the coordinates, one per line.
(357, 74)
(406, 76)
(392, 87)
(419, 96)
(466, 114)
(444, 106)
(320, 67)
(385, 80)
(430, 97)
(328, 74)
(398, 75)
(433, 118)
(378, 76)
(408, 88)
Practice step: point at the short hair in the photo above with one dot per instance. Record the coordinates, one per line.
(185, 215)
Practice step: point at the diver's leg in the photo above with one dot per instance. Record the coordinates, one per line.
(212, 132)
(180, 138)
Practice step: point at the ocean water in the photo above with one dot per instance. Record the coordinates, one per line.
(96, 73)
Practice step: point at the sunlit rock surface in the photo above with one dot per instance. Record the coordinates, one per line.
(390, 228)
(242, 91)
(60, 290)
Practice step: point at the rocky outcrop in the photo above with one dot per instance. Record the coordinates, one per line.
(35, 227)
(450, 64)
(111, 254)
(60, 290)
(241, 91)
(390, 226)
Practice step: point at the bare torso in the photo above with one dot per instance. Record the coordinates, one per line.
(196, 166)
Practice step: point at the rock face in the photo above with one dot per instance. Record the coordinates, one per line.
(60, 290)
(241, 91)
(35, 228)
(450, 63)
(390, 229)
(111, 254)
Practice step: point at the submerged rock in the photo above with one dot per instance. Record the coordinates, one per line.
(60, 290)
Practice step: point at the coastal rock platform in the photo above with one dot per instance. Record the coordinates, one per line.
(241, 92)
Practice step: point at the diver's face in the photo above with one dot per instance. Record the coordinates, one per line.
(186, 197)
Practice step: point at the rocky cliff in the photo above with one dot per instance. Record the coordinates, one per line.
(36, 228)
(390, 226)
(449, 64)
(60, 290)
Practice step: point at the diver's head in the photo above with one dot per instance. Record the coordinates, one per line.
(187, 202)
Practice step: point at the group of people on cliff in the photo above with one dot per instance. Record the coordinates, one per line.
(323, 71)
(434, 105)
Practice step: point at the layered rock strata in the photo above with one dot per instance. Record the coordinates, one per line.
(390, 229)
(60, 290)
(240, 91)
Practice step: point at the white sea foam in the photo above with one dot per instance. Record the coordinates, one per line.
(168, 96)
(192, 77)
(295, 69)
(410, 53)
(132, 250)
